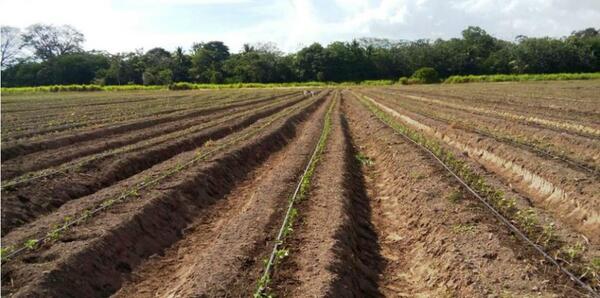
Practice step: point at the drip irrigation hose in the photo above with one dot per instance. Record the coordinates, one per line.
(504, 220)
(279, 239)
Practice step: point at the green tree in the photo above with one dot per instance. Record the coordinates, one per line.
(157, 70)
(207, 61)
(310, 62)
(181, 66)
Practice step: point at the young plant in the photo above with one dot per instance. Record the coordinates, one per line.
(364, 160)
(455, 197)
(31, 244)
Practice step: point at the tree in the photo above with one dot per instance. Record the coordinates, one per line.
(207, 61)
(158, 63)
(10, 45)
(261, 63)
(48, 41)
(181, 65)
(310, 63)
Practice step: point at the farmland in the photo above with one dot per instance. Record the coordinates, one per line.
(470, 190)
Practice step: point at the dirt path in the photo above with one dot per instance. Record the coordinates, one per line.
(435, 241)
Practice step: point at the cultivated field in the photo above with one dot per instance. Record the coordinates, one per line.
(469, 190)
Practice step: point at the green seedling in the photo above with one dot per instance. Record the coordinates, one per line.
(31, 244)
(573, 252)
(548, 235)
(364, 160)
(4, 251)
(455, 197)
(281, 254)
(528, 220)
(463, 228)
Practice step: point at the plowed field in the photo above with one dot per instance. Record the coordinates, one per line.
(475, 190)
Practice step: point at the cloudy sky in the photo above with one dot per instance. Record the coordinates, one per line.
(125, 25)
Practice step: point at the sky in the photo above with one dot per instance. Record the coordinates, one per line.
(126, 25)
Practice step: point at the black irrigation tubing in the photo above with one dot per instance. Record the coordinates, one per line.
(512, 227)
(278, 240)
(134, 191)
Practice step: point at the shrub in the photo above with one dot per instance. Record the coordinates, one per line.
(403, 81)
(181, 86)
(425, 75)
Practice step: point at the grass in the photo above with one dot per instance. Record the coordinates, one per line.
(186, 86)
(522, 77)
(403, 80)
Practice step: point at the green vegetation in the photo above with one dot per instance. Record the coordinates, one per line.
(364, 160)
(522, 77)
(80, 88)
(425, 75)
(31, 244)
(187, 86)
(463, 228)
(455, 196)
(475, 53)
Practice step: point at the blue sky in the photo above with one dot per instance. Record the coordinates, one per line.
(127, 25)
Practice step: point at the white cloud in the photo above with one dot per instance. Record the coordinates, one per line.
(127, 25)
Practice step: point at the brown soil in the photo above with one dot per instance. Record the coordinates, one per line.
(381, 218)
(10, 151)
(52, 157)
(580, 149)
(577, 206)
(430, 245)
(32, 199)
(222, 251)
(333, 249)
(98, 255)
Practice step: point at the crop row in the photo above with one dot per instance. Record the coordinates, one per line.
(146, 143)
(515, 135)
(527, 220)
(208, 150)
(279, 252)
(113, 115)
(558, 109)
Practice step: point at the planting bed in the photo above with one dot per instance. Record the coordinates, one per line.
(475, 190)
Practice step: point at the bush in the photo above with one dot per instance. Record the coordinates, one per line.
(425, 75)
(403, 81)
(181, 86)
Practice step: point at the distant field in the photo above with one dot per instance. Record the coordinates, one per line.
(146, 193)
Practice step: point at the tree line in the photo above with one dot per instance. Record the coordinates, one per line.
(47, 55)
